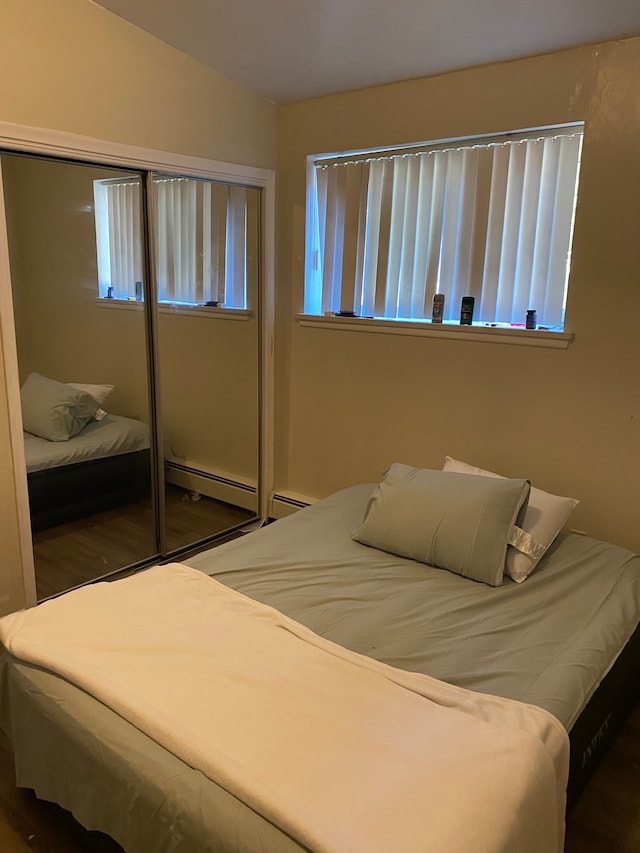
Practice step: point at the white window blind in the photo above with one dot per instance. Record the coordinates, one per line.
(201, 231)
(201, 242)
(492, 219)
(118, 241)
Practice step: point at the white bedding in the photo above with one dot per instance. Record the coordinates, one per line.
(112, 436)
(342, 752)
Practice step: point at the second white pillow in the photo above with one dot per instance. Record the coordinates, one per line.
(544, 518)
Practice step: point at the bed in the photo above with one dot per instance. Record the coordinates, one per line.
(104, 466)
(510, 643)
(80, 459)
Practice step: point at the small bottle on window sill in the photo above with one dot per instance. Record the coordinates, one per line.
(532, 321)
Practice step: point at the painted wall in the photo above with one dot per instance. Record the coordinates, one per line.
(74, 67)
(350, 403)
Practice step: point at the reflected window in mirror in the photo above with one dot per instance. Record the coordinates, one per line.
(201, 241)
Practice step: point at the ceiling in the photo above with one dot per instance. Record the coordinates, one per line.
(289, 50)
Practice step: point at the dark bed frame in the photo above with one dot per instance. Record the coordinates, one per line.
(69, 492)
(602, 718)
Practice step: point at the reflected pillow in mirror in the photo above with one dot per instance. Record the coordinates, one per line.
(454, 521)
(98, 392)
(54, 410)
(545, 517)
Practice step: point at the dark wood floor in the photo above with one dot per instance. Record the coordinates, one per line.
(80, 551)
(605, 820)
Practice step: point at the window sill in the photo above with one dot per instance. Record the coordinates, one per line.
(445, 331)
(218, 312)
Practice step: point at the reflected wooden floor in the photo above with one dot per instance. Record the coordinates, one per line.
(80, 551)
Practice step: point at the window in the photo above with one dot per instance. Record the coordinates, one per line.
(201, 240)
(489, 218)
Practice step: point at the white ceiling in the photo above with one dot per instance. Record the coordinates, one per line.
(288, 50)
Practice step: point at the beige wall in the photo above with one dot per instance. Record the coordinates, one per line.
(71, 66)
(350, 403)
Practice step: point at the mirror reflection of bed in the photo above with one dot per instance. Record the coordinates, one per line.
(94, 508)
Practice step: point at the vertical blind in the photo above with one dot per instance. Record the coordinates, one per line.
(118, 241)
(492, 220)
(201, 239)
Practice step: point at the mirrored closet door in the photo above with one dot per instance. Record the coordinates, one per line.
(206, 268)
(136, 306)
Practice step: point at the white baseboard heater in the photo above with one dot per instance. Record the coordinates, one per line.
(285, 503)
(218, 485)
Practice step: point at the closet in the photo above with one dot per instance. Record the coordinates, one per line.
(138, 298)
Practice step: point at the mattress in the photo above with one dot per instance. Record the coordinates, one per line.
(112, 436)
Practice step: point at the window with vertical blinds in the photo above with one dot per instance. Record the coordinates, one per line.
(201, 240)
(489, 218)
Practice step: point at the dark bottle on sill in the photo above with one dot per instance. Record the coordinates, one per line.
(532, 320)
(466, 310)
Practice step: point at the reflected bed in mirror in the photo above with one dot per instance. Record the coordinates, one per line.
(104, 466)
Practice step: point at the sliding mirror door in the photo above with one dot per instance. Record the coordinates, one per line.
(137, 305)
(82, 356)
(206, 239)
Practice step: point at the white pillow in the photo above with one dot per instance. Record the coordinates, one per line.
(53, 410)
(98, 392)
(544, 518)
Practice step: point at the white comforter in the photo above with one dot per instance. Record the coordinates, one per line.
(341, 752)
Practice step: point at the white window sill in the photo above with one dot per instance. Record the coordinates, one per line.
(445, 331)
(218, 312)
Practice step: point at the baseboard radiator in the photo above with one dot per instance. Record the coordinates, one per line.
(286, 503)
(226, 487)
(218, 485)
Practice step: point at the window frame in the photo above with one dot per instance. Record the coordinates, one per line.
(557, 336)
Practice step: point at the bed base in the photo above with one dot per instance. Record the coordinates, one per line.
(69, 492)
(602, 718)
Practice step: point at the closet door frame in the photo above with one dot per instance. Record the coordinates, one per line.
(32, 140)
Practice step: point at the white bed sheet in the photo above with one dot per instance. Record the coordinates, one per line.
(112, 436)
